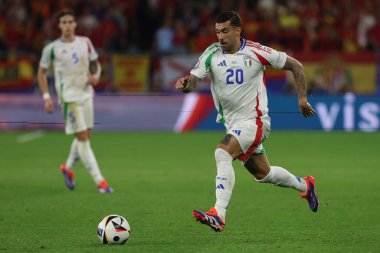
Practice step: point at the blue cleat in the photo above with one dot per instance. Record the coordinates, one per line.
(310, 195)
(69, 176)
(210, 218)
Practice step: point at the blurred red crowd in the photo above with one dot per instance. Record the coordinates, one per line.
(180, 26)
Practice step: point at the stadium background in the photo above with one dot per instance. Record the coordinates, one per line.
(145, 46)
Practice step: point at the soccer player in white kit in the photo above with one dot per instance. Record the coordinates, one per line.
(236, 67)
(76, 70)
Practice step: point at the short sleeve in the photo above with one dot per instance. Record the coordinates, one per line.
(277, 59)
(199, 70)
(269, 56)
(47, 56)
(93, 55)
(202, 68)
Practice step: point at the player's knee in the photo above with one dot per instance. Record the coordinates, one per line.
(82, 136)
(222, 155)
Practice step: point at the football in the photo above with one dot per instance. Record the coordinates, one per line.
(114, 229)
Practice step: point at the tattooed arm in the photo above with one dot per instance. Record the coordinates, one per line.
(296, 68)
(95, 70)
(187, 84)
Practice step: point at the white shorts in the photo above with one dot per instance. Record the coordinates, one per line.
(250, 135)
(79, 116)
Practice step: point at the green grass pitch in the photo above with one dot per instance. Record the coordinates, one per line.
(159, 178)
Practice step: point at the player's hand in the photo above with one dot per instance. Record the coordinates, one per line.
(49, 105)
(306, 109)
(92, 80)
(181, 83)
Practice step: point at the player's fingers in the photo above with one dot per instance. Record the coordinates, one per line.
(311, 109)
(311, 112)
(308, 113)
(179, 83)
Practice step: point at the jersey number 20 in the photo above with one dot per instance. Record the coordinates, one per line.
(234, 76)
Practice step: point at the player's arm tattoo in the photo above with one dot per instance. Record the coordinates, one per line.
(191, 84)
(94, 65)
(299, 75)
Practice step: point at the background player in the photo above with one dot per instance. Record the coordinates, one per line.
(76, 70)
(238, 88)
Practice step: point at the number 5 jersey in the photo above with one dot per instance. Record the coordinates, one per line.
(71, 67)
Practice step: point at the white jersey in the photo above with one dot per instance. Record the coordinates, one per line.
(71, 67)
(237, 80)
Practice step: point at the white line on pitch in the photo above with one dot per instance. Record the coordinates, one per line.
(30, 136)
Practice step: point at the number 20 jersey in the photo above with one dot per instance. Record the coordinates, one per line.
(71, 67)
(237, 80)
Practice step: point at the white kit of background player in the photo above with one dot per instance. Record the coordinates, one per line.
(76, 71)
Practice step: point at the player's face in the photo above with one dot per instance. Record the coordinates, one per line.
(67, 25)
(228, 36)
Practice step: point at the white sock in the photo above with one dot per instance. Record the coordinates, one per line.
(225, 180)
(73, 155)
(88, 158)
(281, 177)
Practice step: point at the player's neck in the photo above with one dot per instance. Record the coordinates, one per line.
(68, 38)
(236, 48)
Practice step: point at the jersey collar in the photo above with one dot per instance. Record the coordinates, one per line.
(243, 42)
(62, 41)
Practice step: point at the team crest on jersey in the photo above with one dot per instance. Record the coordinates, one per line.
(247, 62)
(223, 63)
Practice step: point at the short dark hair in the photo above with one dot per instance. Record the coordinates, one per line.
(64, 13)
(231, 16)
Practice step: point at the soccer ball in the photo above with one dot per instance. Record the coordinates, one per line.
(114, 229)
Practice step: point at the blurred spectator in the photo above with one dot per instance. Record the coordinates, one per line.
(164, 38)
(160, 27)
(366, 22)
(132, 25)
(374, 35)
(87, 22)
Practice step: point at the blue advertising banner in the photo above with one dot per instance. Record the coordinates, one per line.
(194, 111)
(348, 113)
